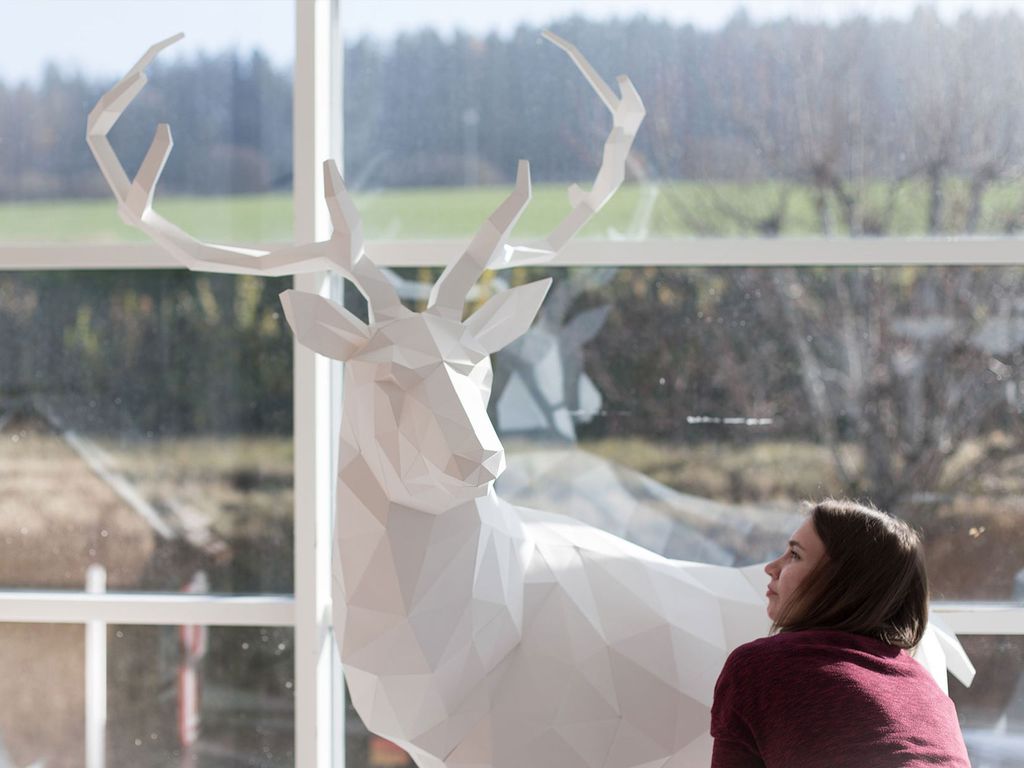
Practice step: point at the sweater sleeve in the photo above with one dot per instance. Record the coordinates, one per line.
(735, 746)
(733, 754)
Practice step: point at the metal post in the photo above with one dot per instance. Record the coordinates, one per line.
(314, 474)
(95, 675)
(192, 644)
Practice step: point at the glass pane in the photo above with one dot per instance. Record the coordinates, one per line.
(691, 410)
(145, 424)
(218, 697)
(830, 118)
(367, 750)
(992, 709)
(225, 90)
(716, 399)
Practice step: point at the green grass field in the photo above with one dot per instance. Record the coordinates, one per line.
(678, 209)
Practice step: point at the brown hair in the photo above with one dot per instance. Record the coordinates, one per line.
(872, 580)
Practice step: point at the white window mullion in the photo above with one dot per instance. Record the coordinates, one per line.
(734, 252)
(59, 607)
(313, 423)
(669, 252)
(74, 256)
(979, 618)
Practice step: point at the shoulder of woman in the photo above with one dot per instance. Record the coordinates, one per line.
(747, 676)
(755, 653)
(776, 652)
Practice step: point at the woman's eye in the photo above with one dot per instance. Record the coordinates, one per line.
(793, 555)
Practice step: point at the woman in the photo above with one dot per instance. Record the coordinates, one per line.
(833, 685)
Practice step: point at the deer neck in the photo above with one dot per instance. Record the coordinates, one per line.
(394, 557)
(364, 472)
(428, 582)
(376, 462)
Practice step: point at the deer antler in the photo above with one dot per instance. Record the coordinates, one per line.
(342, 253)
(627, 114)
(488, 249)
(448, 295)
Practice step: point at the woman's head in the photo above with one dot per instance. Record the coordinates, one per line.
(851, 568)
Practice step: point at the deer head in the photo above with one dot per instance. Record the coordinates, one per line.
(420, 382)
(417, 384)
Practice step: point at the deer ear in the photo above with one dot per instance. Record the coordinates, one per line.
(585, 326)
(323, 326)
(507, 316)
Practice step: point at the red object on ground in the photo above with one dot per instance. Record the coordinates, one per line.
(193, 642)
(383, 754)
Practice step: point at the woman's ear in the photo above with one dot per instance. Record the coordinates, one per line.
(323, 326)
(507, 316)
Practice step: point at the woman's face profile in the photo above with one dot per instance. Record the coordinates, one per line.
(803, 553)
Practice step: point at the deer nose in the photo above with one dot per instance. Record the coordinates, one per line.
(481, 468)
(493, 464)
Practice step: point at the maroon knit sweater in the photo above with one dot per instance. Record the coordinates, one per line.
(826, 699)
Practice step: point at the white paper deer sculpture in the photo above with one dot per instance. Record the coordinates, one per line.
(474, 633)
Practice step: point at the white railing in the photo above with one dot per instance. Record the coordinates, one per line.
(139, 608)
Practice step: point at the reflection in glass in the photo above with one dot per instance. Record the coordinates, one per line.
(728, 395)
(145, 424)
(242, 714)
(691, 410)
(992, 709)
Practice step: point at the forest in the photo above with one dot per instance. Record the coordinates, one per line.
(853, 113)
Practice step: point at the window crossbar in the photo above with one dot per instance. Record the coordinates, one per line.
(680, 252)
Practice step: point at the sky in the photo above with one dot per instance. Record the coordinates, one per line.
(98, 37)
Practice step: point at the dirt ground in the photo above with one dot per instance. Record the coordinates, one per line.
(57, 517)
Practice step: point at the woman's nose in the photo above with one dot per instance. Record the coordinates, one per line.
(770, 568)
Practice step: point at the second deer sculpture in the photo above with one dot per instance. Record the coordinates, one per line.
(472, 632)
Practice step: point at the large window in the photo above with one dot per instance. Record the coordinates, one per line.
(856, 120)
(690, 406)
(225, 692)
(146, 418)
(147, 427)
(785, 300)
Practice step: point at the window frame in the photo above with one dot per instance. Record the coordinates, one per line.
(318, 688)
(317, 133)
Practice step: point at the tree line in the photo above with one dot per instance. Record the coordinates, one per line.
(853, 112)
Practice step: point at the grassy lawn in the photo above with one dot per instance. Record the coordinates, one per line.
(255, 218)
(758, 472)
(679, 209)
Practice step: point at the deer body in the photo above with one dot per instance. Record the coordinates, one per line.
(472, 632)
